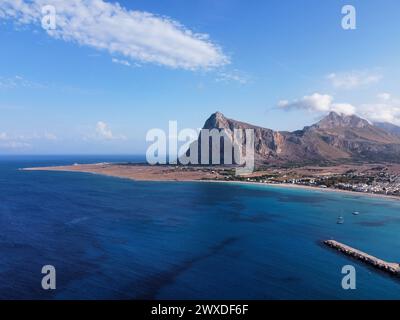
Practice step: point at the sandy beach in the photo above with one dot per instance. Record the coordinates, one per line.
(296, 186)
(142, 172)
(137, 172)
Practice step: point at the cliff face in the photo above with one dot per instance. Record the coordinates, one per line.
(334, 138)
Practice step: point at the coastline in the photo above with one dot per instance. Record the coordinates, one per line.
(153, 174)
(301, 187)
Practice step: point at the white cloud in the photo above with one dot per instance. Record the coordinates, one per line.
(317, 103)
(126, 63)
(14, 145)
(136, 35)
(353, 79)
(123, 62)
(232, 76)
(384, 96)
(23, 141)
(35, 136)
(19, 82)
(385, 109)
(343, 108)
(103, 131)
(7, 142)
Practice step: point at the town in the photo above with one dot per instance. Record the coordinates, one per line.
(366, 178)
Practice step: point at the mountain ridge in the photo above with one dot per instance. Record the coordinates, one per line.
(336, 137)
(389, 127)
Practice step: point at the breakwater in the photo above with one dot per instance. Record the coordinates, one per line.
(389, 267)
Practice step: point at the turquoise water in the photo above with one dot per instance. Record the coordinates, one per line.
(120, 239)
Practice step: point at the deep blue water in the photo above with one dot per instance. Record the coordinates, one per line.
(120, 239)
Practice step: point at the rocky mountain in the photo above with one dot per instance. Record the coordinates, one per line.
(334, 138)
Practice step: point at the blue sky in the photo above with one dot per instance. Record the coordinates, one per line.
(279, 64)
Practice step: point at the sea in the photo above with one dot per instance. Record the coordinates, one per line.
(112, 238)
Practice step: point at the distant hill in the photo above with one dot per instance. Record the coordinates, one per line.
(334, 138)
(389, 127)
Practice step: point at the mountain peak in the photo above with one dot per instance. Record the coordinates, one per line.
(336, 120)
(216, 120)
(218, 115)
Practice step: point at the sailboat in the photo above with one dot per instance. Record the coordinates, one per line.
(340, 219)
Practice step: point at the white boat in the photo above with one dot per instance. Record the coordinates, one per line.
(356, 213)
(340, 220)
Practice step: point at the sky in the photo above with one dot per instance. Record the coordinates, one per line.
(111, 71)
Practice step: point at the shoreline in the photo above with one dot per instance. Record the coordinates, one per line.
(301, 187)
(183, 179)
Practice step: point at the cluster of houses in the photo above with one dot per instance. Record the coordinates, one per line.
(382, 183)
(376, 187)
